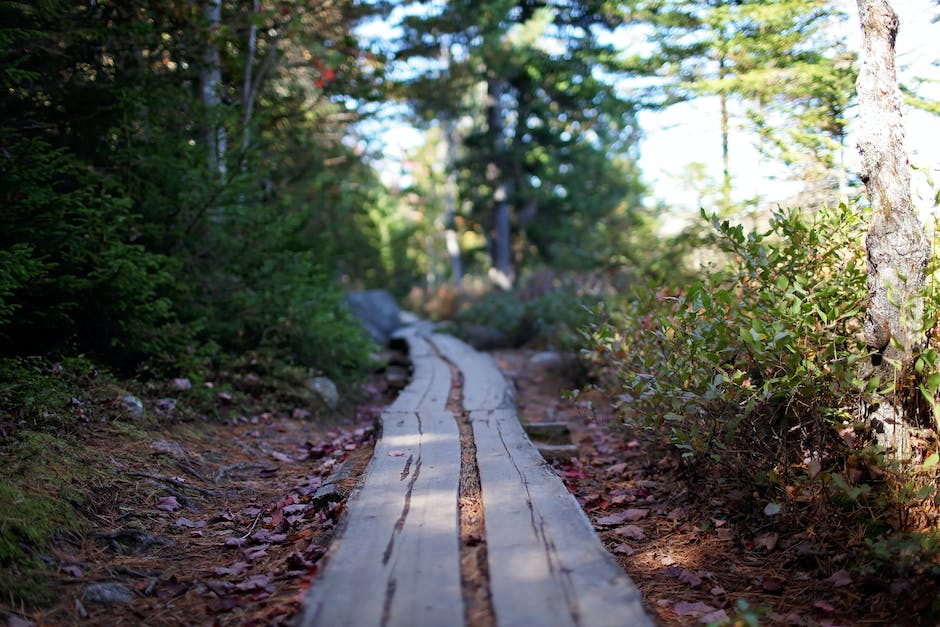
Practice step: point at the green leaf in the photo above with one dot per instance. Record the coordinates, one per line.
(931, 461)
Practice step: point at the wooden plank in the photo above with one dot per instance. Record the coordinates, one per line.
(430, 380)
(546, 564)
(484, 385)
(396, 558)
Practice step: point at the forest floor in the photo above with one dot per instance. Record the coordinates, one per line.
(223, 522)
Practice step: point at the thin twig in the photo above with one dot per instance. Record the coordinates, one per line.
(174, 482)
(253, 525)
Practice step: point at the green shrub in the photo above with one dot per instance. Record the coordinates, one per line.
(763, 350)
(551, 320)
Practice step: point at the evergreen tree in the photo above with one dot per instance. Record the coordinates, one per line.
(548, 159)
(774, 57)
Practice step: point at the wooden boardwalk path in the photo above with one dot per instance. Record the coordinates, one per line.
(398, 559)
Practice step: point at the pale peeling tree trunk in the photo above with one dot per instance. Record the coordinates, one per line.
(898, 248)
(501, 251)
(450, 215)
(210, 80)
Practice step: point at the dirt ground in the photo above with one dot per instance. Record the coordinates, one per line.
(223, 524)
(695, 557)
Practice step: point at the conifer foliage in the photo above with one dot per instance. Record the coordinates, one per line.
(173, 179)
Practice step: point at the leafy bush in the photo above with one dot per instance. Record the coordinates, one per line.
(551, 319)
(762, 351)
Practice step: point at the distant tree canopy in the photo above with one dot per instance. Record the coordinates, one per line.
(547, 144)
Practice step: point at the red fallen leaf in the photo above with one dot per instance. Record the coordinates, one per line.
(604, 504)
(575, 474)
(839, 579)
(276, 518)
(189, 524)
(303, 533)
(396, 453)
(823, 606)
(168, 504)
(771, 584)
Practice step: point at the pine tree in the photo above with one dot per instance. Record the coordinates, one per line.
(772, 57)
(548, 159)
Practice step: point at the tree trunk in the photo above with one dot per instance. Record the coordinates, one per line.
(725, 133)
(210, 83)
(248, 86)
(898, 248)
(500, 249)
(450, 211)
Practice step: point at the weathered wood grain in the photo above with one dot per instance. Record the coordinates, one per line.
(396, 558)
(484, 385)
(547, 566)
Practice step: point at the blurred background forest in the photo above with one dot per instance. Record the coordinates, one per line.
(185, 184)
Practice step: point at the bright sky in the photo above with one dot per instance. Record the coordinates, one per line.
(695, 126)
(689, 132)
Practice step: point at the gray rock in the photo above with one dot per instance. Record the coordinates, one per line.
(133, 405)
(397, 377)
(170, 448)
(377, 311)
(166, 405)
(181, 383)
(326, 390)
(107, 593)
(546, 359)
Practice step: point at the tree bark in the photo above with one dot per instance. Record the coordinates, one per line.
(500, 249)
(450, 211)
(210, 83)
(725, 133)
(898, 248)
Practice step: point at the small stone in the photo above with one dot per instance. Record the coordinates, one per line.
(397, 377)
(133, 405)
(546, 359)
(170, 448)
(107, 593)
(165, 405)
(181, 383)
(326, 390)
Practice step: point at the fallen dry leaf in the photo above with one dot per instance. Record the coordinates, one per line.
(766, 541)
(168, 504)
(629, 515)
(697, 609)
(630, 531)
(839, 579)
